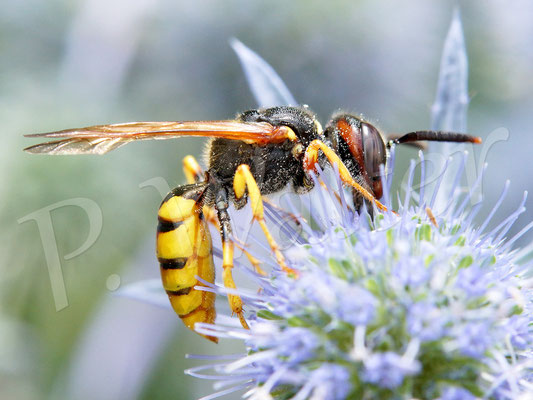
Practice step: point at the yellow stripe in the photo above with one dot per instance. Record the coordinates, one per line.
(203, 243)
(177, 209)
(189, 240)
(206, 269)
(178, 243)
(186, 303)
(178, 279)
(200, 315)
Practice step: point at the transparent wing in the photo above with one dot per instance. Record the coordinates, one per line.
(100, 139)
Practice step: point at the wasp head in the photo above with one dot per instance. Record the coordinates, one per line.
(361, 148)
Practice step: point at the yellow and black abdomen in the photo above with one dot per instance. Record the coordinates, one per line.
(184, 252)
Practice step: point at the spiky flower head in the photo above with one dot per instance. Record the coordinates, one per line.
(420, 303)
(416, 305)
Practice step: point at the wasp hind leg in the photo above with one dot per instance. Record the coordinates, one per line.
(235, 301)
(244, 180)
(194, 174)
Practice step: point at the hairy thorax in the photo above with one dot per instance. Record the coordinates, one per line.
(269, 164)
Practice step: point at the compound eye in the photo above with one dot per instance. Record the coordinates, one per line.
(373, 150)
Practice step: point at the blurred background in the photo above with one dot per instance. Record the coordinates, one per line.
(63, 334)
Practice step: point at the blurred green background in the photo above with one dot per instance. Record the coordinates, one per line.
(74, 63)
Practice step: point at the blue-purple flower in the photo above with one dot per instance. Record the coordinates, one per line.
(388, 369)
(460, 328)
(415, 304)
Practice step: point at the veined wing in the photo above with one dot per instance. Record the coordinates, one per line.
(100, 139)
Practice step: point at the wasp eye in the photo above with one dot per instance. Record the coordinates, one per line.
(373, 150)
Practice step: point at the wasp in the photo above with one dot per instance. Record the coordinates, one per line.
(260, 152)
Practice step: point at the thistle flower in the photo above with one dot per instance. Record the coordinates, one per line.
(415, 304)
(357, 325)
(402, 306)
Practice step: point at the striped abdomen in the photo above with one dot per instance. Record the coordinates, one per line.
(184, 251)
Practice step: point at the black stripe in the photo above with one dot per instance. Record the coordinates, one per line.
(173, 263)
(193, 191)
(181, 292)
(165, 225)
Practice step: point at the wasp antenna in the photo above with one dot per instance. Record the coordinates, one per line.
(433, 136)
(393, 139)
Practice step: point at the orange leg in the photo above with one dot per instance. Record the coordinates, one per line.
(251, 259)
(311, 159)
(325, 187)
(431, 217)
(244, 180)
(290, 215)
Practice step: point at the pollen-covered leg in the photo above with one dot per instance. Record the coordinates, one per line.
(244, 180)
(184, 252)
(311, 159)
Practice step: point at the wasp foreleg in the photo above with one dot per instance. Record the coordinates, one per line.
(311, 159)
